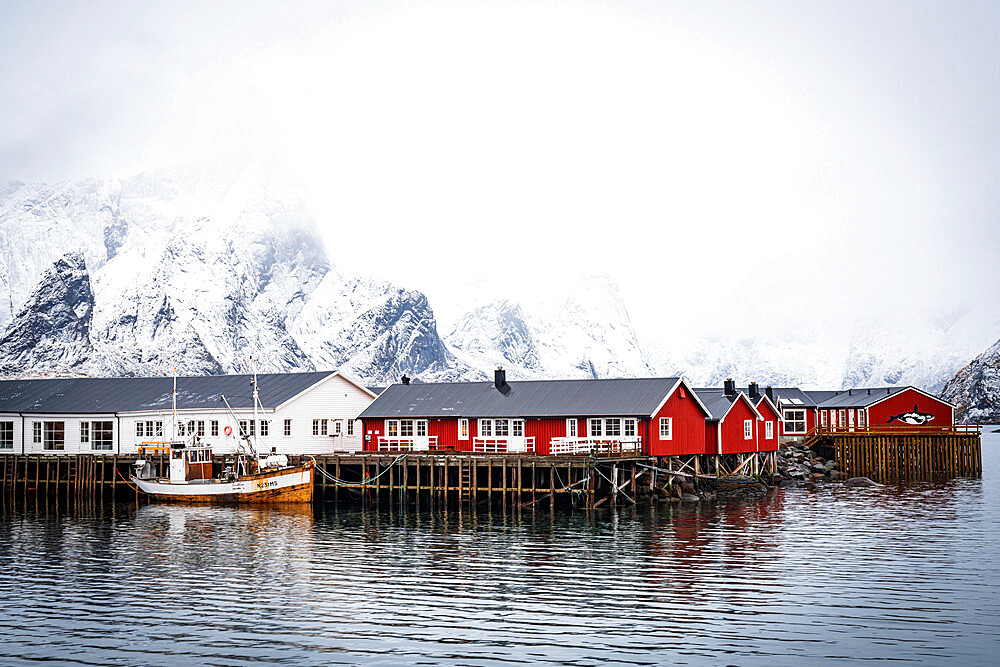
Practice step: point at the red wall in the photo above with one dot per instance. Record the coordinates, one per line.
(765, 410)
(903, 401)
(733, 441)
(688, 427)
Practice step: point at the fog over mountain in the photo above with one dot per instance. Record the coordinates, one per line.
(203, 265)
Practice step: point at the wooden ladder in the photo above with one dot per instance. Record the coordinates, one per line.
(466, 484)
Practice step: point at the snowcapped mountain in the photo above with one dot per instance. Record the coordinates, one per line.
(202, 267)
(584, 334)
(975, 389)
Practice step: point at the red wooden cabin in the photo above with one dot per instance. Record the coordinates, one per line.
(649, 416)
(733, 427)
(886, 407)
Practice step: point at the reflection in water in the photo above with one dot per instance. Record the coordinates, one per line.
(799, 577)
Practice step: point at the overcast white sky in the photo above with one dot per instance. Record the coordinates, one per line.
(753, 156)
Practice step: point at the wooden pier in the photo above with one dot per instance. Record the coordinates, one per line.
(903, 454)
(442, 479)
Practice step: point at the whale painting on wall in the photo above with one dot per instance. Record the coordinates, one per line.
(914, 418)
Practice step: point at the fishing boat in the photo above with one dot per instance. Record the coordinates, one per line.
(247, 477)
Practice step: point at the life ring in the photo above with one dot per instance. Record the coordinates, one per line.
(229, 430)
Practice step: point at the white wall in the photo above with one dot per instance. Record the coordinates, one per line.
(71, 434)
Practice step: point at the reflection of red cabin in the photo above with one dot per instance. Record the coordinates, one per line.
(733, 427)
(650, 416)
(886, 407)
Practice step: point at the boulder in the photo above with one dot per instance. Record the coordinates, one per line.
(689, 498)
(861, 482)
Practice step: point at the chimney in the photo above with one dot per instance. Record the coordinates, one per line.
(754, 390)
(406, 380)
(500, 381)
(850, 392)
(770, 393)
(869, 392)
(730, 387)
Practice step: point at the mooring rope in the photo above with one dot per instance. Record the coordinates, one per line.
(362, 484)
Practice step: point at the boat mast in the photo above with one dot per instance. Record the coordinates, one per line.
(256, 429)
(173, 415)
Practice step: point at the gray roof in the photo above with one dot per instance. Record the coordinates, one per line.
(820, 396)
(849, 398)
(792, 397)
(716, 401)
(107, 395)
(529, 398)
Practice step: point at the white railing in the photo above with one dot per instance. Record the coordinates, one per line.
(511, 445)
(418, 443)
(596, 444)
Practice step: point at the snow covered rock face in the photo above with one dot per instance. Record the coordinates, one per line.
(196, 268)
(52, 330)
(975, 389)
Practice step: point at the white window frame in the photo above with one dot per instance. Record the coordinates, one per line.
(49, 427)
(316, 427)
(595, 427)
(6, 435)
(769, 430)
(823, 418)
(485, 428)
(265, 428)
(140, 429)
(842, 417)
(350, 427)
(85, 432)
(786, 420)
(36, 433)
(748, 429)
(463, 428)
(93, 432)
(611, 425)
(572, 426)
(287, 428)
(862, 418)
(213, 427)
(630, 427)
(668, 422)
(850, 418)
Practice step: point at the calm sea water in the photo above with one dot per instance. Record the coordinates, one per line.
(834, 575)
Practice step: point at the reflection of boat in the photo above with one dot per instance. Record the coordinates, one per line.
(248, 477)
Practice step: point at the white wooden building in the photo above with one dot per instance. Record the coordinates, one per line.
(303, 413)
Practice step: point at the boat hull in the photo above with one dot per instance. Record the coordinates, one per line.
(290, 485)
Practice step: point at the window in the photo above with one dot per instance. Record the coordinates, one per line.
(243, 427)
(214, 426)
(795, 422)
(265, 427)
(841, 418)
(54, 435)
(316, 428)
(833, 417)
(422, 428)
(463, 429)
(36, 432)
(336, 427)
(139, 429)
(149, 429)
(350, 427)
(613, 427)
(748, 429)
(769, 430)
(571, 426)
(253, 427)
(501, 428)
(84, 431)
(822, 417)
(517, 428)
(6, 435)
(288, 427)
(861, 418)
(594, 429)
(322, 427)
(629, 427)
(159, 429)
(850, 418)
(486, 428)
(103, 435)
(180, 429)
(666, 428)
(201, 428)
(406, 428)
(190, 427)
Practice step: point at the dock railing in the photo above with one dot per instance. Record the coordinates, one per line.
(596, 445)
(417, 443)
(511, 445)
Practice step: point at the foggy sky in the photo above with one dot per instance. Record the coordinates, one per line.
(730, 164)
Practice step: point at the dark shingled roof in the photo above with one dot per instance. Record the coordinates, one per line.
(529, 398)
(859, 397)
(820, 396)
(106, 395)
